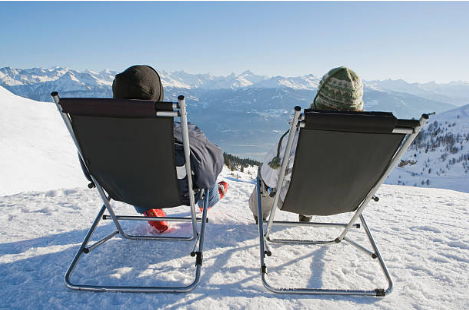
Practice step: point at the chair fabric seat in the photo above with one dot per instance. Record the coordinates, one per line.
(131, 157)
(334, 171)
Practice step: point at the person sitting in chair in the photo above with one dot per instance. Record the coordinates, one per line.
(341, 89)
(143, 82)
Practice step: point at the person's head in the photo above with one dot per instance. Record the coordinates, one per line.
(138, 82)
(341, 89)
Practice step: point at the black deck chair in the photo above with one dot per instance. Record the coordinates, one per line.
(341, 160)
(128, 149)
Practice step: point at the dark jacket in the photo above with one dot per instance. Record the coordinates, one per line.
(206, 159)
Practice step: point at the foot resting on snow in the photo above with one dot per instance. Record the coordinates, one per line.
(160, 226)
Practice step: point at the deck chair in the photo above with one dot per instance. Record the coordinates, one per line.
(127, 147)
(341, 160)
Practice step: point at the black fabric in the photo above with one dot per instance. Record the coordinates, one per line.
(350, 121)
(334, 171)
(132, 159)
(206, 158)
(113, 107)
(138, 82)
(407, 123)
(84, 169)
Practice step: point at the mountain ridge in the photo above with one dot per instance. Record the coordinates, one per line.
(244, 113)
(456, 91)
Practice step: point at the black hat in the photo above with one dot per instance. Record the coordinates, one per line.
(138, 82)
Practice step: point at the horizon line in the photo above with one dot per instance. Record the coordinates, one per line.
(235, 74)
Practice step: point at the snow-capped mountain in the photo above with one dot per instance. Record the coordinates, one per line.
(244, 113)
(37, 83)
(456, 92)
(439, 156)
(393, 95)
(18, 80)
(182, 79)
(403, 105)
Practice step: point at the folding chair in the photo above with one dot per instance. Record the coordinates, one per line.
(128, 148)
(341, 160)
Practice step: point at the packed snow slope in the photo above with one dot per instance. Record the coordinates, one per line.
(33, 141)
(439, 156)
(422, 235)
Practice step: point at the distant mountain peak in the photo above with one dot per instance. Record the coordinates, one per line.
(454, 93)
(247, 72)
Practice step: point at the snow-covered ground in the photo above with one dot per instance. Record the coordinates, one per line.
(36, 151)
(421, 232)
(441, 160)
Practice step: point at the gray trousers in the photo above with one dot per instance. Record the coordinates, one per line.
(266, 203)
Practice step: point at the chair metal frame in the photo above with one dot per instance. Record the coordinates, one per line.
(297, 123)
(197, 236)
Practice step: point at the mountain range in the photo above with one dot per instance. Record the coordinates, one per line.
(29, 82)
(244, 113)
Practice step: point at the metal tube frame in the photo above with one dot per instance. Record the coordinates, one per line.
(264, 238)
(286, 156)
(196, 235)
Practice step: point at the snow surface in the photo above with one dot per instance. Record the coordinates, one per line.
(421, 232)
(442, 174)
(33, 141)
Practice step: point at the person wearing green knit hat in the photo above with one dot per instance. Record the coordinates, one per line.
(341, 89)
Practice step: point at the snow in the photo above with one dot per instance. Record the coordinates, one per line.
(421, 232)
(33, 142)
(435, 166)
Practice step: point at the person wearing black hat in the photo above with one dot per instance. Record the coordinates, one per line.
(144, 83)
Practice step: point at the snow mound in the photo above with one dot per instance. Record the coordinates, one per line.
(37, 152)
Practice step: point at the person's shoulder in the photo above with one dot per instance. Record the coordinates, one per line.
(194, 127)
(195, 132)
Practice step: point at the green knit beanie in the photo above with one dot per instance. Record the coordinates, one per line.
(340, 89)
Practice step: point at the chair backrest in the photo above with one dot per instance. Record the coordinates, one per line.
(127, 148)
(339, 158)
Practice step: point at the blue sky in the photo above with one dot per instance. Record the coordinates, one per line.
(415, 41)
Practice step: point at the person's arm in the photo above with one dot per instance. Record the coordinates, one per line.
(208, 164)
(270, 175)
(267, 173)
(206, 158)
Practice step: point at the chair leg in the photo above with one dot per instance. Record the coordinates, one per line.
(84, 248)
(115, 218)
(320, 291)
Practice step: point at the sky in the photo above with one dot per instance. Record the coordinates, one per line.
(414, 41)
